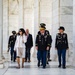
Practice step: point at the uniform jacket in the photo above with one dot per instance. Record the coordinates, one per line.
(61, 41)
(11, 41)
(47, 33)
(42, 41)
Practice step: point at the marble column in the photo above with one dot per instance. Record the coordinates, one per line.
(36, 20)
(63, 16)
(73, 33)
(1, 32)
(21, 14)
(66, 20)
(5, 25)
(55, 26)
(36, 16)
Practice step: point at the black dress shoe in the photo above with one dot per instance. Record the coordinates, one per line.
(47, 63)
(49, 60)
(38, 65)
(59, 66)
(44, 67)
(14, 61)
(64, 67)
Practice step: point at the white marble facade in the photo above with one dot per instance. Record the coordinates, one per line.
(1, 27)
(30, 13)
(74, 33)
(66, 20)
(1, 34)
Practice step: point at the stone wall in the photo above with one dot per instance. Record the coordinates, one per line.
(30, 13)
(55, 25)
(66, 20)
(1, 31)
(46, 13)
(5, 25)
(62, 15)
(17, 14)
(73, 33)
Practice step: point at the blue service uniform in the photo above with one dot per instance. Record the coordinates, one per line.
(42, 42)
(62, 45)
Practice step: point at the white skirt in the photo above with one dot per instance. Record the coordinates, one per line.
(21, 52)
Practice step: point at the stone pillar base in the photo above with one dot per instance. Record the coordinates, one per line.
(1, 65)
(3, 57)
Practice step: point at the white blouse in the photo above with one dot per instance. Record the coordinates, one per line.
(20, 41)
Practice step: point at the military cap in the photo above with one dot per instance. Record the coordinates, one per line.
(61, 27)
(42, 27)
(42, 24)
(13, 32)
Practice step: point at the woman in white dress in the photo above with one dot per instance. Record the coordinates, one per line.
(20, 46)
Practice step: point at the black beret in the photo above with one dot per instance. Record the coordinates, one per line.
(14, 32)
(61, 27)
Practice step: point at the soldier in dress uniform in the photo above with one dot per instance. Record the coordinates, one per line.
(42, 45)
(61, 45)
(11, 44)
(48, 33)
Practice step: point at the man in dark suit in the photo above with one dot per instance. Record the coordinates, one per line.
(11, 44)
(29, 45)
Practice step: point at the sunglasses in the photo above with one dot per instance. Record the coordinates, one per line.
(20, 31)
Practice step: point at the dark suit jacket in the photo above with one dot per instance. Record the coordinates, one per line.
(29, 42)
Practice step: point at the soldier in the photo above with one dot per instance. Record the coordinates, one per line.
(42, 45)
(61, 45)
(11, 44)
(47, 32)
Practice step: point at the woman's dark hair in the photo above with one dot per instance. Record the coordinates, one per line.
(23, 31)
